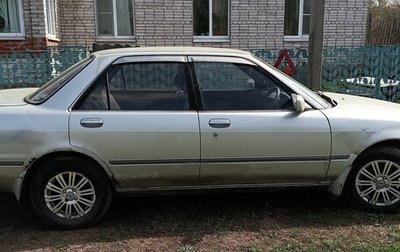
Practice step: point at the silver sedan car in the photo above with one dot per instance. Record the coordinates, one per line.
(179, 119)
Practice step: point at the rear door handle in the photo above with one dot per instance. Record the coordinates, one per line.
(92, 122)
(219, 123)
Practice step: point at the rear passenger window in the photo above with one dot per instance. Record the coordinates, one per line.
(145, 86)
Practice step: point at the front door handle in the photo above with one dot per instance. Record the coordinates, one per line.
(92, 122)
(219, 123)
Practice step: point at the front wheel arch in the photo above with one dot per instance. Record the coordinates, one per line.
(340, 183)
(344, 181)
(37, 163)
(395, 143)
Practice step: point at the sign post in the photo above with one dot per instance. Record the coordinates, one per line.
(315, 44)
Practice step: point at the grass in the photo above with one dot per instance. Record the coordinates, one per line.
(252, 222)
(187, 248)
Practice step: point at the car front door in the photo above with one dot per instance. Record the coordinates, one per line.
(250, 132)
(139, 117)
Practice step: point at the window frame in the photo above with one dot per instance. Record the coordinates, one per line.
(51, 7)
(115, 23)
(16, 35)
(211, 38)
(192, 97)
(300, 36)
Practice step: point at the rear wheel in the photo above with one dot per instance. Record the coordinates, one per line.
(70, 193)
(374, 182)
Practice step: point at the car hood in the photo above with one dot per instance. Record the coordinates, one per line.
(358, 103)
(14, 96)
(359, 114)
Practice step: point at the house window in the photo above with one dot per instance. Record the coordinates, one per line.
(211, 19)
(11, 19)
(51, 18)
(114, 18)
(297, 19)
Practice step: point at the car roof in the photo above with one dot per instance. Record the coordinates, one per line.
(137, 51)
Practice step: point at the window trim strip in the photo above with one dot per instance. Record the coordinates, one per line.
(11, 163)
(193, 103)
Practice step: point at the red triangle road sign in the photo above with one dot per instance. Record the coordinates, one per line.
(289, 69)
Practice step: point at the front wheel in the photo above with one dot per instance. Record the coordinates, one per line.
(374, 182)
(70, 193)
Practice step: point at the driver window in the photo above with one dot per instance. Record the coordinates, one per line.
(233, 86)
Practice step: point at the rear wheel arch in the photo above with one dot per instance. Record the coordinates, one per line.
(36, 164)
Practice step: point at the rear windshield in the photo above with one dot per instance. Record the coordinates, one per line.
(51, 87)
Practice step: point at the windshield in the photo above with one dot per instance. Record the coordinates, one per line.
(51, 87)
(312, 94)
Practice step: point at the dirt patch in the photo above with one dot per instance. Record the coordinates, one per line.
(280, 221)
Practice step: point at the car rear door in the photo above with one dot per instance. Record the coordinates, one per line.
(249, 130)
(139, 117)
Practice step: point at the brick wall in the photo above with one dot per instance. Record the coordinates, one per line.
(22, 45)
(167, 22)
(36, 19)
(345, 22)
(257, 24)
(76, 21)
(344, 25)
(254, 24)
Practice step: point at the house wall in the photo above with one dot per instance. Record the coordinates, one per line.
(345, 23)
(76, 21)
(34, 15)
(257, 24)
(254, 24)
(166, 22)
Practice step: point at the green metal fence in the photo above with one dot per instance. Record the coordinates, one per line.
(34, 68)
(372, 71)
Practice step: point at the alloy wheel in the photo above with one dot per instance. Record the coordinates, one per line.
(69, 195)
(378, 183)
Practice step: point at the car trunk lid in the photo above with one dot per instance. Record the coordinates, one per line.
(15, 96)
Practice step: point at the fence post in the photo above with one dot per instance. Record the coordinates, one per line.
(315, 44)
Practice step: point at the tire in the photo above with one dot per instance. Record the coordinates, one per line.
(70, 193)
(374, 182)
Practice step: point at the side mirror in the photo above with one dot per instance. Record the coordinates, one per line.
(299, 104)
